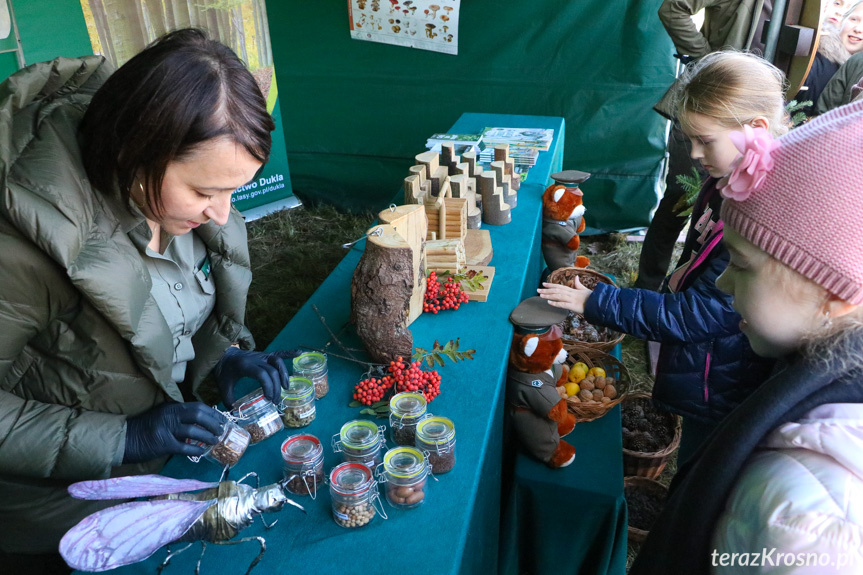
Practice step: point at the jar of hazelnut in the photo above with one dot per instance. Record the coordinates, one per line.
(303, 464)
(406, 410)
(228, 449)
(298, 403)
(257, 415)
(360, 441)
(404, 472)
(436, 438)
(353, 491)
(313, 365)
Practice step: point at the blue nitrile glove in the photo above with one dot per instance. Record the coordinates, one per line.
(164, 430)
(267, 368)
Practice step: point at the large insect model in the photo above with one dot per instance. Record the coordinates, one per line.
(131, 532)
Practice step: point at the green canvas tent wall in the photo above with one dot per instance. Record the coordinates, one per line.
(357, 112)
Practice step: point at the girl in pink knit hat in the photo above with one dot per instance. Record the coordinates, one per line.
(706, 367)
(779, 485)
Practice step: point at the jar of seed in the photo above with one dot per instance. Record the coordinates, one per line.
(313, 365)
(406, 410)
(360, 441)
(436, 438)
(353, 491)
(298, 402)
(303, 464)
(230, 447)
(257, 415)
(404, 472)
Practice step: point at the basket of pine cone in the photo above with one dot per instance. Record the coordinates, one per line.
(650, 435)
(598, 388)
(645, 499)
(577, 332)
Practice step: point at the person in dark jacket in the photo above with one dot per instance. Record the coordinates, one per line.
(829, 58)
(706, 367)
(125, 273)
(779, 485)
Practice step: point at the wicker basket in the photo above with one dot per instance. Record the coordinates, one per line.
(650, 465)
(652, 486)
(588, 411)
(566, 276)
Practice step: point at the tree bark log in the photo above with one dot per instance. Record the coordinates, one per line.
(380, 297)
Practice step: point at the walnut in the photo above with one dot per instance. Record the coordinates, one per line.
(587, 384)
(597, 394)
(606, 400)
(585, 395)
(609, 391)
(600, 383)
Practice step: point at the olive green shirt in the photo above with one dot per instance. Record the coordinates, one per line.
(181, 286)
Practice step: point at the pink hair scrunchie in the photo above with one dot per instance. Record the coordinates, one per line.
(756, 145)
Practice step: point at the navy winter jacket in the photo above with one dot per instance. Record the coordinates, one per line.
(706, 367)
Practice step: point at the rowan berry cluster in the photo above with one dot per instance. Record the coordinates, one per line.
(448, 295)
(371, 390)
(409, 377)
(402, 376)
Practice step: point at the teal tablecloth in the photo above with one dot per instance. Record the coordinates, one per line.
(457, 529)
(570, 520)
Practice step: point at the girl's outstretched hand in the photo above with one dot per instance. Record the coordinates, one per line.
(569, 298)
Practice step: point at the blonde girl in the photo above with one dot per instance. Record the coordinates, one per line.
(706, 366)
(781, 480)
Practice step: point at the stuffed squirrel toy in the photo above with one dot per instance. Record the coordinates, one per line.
(539, 415)
(563, 220)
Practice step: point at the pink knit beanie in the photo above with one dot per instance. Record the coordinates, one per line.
(800, 198)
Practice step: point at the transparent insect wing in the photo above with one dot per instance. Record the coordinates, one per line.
(134, 486)
(128, 533)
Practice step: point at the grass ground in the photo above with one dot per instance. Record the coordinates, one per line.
(293, 251)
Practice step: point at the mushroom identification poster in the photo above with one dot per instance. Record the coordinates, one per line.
(424, 24)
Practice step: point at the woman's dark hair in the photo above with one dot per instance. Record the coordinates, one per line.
(181, 91)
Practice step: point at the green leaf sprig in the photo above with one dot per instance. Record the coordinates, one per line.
(437, 353)
(794, 112)
(691, 184)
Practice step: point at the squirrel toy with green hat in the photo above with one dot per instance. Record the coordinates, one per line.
(539, 414)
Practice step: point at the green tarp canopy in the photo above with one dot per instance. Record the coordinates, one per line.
(356, 112)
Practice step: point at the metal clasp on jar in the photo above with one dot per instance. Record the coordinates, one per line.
(313, 490)
(376, 497)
